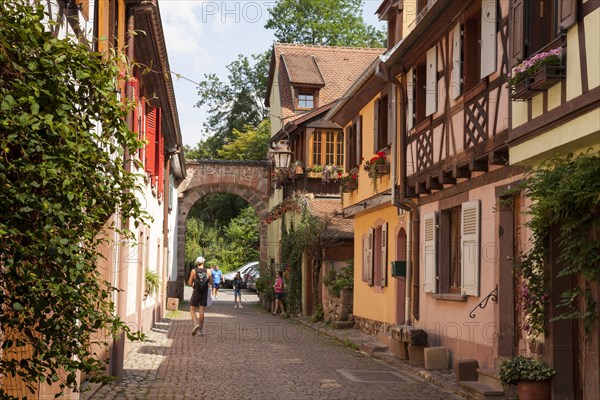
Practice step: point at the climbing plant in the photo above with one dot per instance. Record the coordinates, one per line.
(566, 199)
(64, 172)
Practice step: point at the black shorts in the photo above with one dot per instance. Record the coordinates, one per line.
(279, 296)
(199, 298)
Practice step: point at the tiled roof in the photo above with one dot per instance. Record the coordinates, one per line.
(339, 68)
(302, 69)
(328, 209)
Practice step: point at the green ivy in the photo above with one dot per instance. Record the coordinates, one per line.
(344, 280)
(61, 180)
(566, 195)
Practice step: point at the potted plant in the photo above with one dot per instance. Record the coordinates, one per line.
(376, 167)
(348, 183)
(330, 173)
(532, 377)
(316, 171)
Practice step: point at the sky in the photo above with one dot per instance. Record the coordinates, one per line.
(202, 37)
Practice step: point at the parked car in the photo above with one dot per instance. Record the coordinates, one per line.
(251, 278)
(243, 270)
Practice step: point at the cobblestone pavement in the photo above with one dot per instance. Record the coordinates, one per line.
(249, 353)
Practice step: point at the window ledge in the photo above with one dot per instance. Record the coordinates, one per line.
(449, 297)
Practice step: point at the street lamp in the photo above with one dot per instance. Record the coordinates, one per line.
(281, 154)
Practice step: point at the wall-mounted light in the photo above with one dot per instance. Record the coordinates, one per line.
(280, 154)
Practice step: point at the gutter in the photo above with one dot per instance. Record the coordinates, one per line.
(399, 198)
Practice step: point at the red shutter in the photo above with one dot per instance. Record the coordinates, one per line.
(160, 153)
(141, 118)
(151, 119)
(567, 13)
(517, 39)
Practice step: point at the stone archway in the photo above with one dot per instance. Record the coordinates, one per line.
(249, 180)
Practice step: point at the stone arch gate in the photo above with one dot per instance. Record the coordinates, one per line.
(249, 180)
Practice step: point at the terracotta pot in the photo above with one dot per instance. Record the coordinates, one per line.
(532, 390)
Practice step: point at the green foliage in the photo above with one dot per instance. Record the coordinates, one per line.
(566, 195)
(323, 22)
(292, 261)
(228, 246)
(521, 368)
(237, 103)
(152, 282)
(61, 179)
(251, 144)
(344, 280)
(318, 315)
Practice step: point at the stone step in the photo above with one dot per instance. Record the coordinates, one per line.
(489, 376)
(343, 324)
(373, 347)
(480, 391)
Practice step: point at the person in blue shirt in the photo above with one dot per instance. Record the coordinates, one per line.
(217, 276)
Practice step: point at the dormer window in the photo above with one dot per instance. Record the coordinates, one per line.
(306, 99)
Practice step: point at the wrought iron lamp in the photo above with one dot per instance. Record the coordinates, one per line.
(281, 154)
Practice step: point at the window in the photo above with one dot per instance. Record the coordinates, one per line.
(375, 256)
(534, 24)
(327, 148)
(381, 123)
(471, 52)
(458, 252)
(306, 100)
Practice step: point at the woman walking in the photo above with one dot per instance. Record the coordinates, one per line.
(278, 286)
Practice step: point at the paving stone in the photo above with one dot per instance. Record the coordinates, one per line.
(256, 355)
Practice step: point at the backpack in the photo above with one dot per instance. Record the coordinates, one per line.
(201, 280)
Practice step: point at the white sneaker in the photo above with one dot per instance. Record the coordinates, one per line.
(235, 306)
(195, 330)
(201, 332)
(241, 306)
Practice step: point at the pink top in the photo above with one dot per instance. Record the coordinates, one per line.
(278, 285)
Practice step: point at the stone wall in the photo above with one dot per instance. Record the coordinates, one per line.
(337, 308)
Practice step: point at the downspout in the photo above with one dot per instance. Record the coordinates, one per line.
(399, 198)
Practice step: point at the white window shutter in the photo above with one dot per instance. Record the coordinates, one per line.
(370, 256)
(469, 247)
(456, 74)
(384, 240)
(410, 94)
(430, 253)
(431, 89)
(488, 37)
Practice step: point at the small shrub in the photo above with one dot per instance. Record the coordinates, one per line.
(521, 368)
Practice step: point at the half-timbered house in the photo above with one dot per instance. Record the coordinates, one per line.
(555, 111)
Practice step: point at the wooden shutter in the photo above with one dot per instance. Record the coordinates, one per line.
(430, 253)
(142, 127)
(410, 94)
(370, 256)
(151, 140)
(376, 125)
(567, 13)
(384, 243)
(391, 114)
(431, 82)
(516, 37)
(349, 141)
(359, 124)
(160, 153)
(456, 73)
(469, 247)
(488, 37)
(365, 265)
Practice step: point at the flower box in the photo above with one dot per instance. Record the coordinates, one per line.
(546, 77)
(316, 175)
(522, 91)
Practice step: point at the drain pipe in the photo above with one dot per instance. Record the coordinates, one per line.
(399, 198)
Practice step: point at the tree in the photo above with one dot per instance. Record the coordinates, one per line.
(323, 22)
(251, 144)
(61, 179)
(236, 104)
